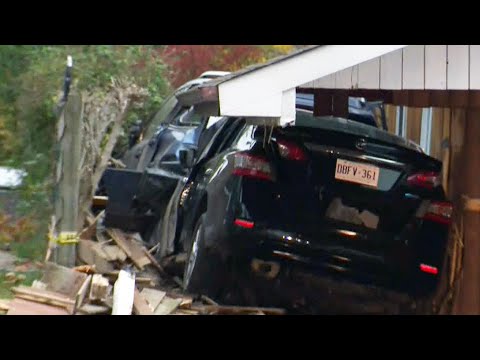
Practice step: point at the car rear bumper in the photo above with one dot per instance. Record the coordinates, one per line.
(282, 274)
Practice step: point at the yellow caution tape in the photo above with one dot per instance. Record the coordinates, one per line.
(65, 238)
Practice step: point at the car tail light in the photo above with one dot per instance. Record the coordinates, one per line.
(252, 166)
(427, 180)
(244, 223)
(428, 269)
(440, 212)
(291, 151)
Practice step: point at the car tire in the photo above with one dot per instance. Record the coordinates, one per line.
(203, 272)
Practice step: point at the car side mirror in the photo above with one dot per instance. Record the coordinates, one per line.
(187, 158)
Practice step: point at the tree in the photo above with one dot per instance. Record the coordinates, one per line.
(31, 78)
(189, 61)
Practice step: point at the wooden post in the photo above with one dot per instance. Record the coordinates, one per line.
(468, 300)
(68, 178)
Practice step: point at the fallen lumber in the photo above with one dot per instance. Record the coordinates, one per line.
(89, 232)
(86, 269)
(20, 306)
(231, 310)
(43, 296)
(100, 288)
(185, 312)
(132, 249)
(82, 293)
(124, 293)
(100, 201)
(153, 297)
(139, 280)
(4, 305)
(154, 262)
(167, 306)
(62, 280)
(90, 309)
(113, 253)
(89, 256)
(208, 300)
(140, 305)
(186, 303)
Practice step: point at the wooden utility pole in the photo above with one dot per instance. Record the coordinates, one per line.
(68, 181)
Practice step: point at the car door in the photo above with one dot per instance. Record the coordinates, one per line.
(213, 138)
(164, 170)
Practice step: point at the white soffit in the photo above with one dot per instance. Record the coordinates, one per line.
(270, 91)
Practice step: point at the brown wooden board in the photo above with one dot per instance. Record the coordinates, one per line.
(88, 255)
(153, 297)
(133, 250)
(26, 307)
(167, 306)
(82, 293)
(140, 305)
(63, 280)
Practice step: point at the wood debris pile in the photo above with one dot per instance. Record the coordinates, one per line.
(89, 288)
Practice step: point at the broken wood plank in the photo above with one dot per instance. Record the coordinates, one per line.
(140, 305)
(20, 306)
(89, 232)
(132, 249)
(63, 280)
(208, 300)
(223, 309)
(167, 306)
(100, 288)
(154, 262)
(153, 297)
(124, 293)
(185, 312)
(86, 269)
(4, 305)
(100, 201)
(42, 296)
(114, 253)
(87, 255)
(139, 280)
(91, 309)
(186, 303)
(82, 293)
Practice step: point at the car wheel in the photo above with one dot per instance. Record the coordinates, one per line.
(202, 274)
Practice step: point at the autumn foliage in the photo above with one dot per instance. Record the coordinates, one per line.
(15, 230)
(189, 61)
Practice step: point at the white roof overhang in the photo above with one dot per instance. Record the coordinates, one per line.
(268, 90)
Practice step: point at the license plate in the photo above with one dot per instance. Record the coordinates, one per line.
(357, 173)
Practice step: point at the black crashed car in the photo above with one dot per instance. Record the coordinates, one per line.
(139, 194)
(327, 215)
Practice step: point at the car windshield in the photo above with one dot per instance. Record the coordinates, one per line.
(161, 116)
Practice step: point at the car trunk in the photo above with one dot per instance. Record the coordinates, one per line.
(347, 196)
